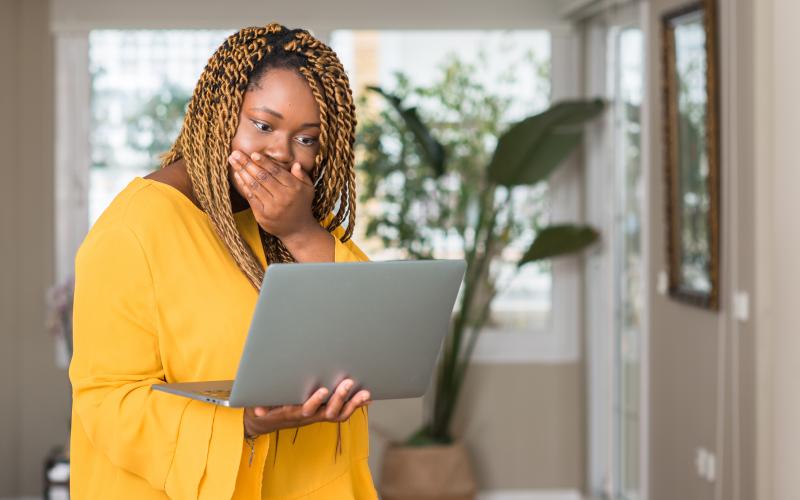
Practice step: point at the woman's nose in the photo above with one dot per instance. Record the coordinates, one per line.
(279, 150)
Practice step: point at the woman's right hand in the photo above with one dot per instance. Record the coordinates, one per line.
(263, 420)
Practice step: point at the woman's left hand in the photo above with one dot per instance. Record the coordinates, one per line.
(281, 199)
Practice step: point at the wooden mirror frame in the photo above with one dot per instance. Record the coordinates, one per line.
(678, 289)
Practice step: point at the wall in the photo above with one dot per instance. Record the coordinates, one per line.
(702, 390)
(413, 14)
(33, 414)
(523, 422)
(778, 245)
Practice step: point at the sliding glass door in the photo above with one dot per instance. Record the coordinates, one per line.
(616, 291)
(627, 44)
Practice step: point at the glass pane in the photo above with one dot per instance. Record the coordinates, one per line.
(141, 81)
(512, 68)
(690, 66)
(630, 293)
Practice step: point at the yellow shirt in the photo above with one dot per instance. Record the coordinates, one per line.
(158, 298)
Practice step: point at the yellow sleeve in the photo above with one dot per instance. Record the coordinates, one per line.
(187, 448)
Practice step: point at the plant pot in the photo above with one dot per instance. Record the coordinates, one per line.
(441, 472)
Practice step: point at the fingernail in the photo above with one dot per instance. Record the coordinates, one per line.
(348, 385)
(237, 155)
(367, 396)
(322, 392)
(256, 156)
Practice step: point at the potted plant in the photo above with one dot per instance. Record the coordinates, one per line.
(449, 173)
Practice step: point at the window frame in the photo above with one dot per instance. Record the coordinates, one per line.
(602, 307)
(560, 343)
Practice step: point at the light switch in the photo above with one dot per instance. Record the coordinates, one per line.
(741, 306)
(711, 467)
(700, 461)
(705, 463)
(662, 283)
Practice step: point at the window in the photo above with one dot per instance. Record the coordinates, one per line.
(615, 326)
(136, 75)
(518, 71)
(628, 45)
(141, 81)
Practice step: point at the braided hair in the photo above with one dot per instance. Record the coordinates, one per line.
(212, 118)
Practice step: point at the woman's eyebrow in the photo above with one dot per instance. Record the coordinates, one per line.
(278, 115)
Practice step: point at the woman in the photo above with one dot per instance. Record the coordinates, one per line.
(167, 280)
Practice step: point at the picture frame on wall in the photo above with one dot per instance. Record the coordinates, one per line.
(691, 143)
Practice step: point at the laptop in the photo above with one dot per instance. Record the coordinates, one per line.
(381, 324)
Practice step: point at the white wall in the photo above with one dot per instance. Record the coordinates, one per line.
(778, 246)
(702, 377)
(34, 409)
(324, 16)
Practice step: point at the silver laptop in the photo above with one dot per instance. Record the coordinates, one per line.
(379, 323)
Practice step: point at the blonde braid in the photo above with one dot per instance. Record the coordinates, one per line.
(335, 94)
(212, 118)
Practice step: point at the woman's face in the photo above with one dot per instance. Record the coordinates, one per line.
(280, 120)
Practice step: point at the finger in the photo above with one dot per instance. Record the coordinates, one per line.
(300, 174)
(234, 161)
(314, 402)
(258, 172)
(286, 177)
(264, 171)
(243, 164)
(237, 159)
(279, 174)
(361, 398)
(252, 199)
(260, 411)
(237, 178)
(255, 186)
(338, 399)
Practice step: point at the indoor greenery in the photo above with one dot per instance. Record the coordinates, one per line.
(446, 176)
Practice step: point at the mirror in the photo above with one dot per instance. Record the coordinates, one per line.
(691, 153)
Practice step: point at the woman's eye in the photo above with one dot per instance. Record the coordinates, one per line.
(263, 127)
(307, 141)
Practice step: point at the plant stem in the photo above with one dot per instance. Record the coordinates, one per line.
(463, 360)
(444, 389)
(477, 265)
(483, 317)
(477, 328)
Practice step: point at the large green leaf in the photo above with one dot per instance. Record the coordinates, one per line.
(533, 148)
(431, 149)
(560, 239)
